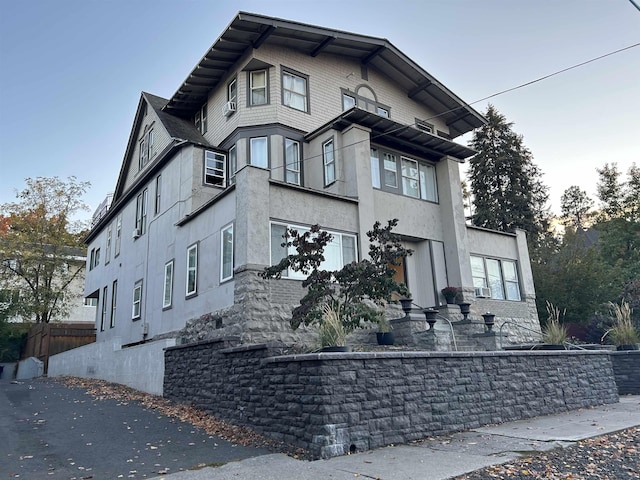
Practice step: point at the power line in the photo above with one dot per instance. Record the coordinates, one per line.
(502, 92)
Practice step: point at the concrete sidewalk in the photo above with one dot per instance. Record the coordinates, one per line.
(441, 457)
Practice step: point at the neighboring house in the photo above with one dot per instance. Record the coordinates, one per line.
(79, 310)
(286, 124)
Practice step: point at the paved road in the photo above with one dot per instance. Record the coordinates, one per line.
(50, 431)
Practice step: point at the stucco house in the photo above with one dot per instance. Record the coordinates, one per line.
(287, 124)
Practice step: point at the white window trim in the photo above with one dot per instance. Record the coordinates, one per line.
(292, 166)
(233, 164)
(329, 163)
(114, 297)
(217, 169)
(116, 247)
(228, 228)
(136, 308)
(167, 286)
(193, 269)
(251, 151)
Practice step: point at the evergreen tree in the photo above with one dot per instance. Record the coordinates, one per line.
(506, 185)
(575, 205)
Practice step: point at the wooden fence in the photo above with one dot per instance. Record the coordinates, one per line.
(48, 339)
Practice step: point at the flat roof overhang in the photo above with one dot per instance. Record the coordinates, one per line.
(402, 137)
(249, 31)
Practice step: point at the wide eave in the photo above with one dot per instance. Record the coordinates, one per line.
(249, 31)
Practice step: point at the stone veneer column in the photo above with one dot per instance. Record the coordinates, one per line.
(456, 244)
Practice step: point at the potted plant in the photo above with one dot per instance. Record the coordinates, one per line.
(356, 294)
(554, 333)
(623, 332)
(449, 294)
(384, 335)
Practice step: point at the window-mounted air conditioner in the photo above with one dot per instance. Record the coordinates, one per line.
(229, 108)
(136, 233)
(483, 292)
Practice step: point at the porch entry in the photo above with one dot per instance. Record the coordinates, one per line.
(424, 272)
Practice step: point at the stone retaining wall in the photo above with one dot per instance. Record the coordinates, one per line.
(626, 368)
(334, 403)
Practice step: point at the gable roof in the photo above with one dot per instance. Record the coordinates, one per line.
(179, 129)
(249, 31)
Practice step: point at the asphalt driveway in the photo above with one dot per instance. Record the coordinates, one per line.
(48, 430)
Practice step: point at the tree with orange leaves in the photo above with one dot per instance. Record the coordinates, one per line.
(41, 246)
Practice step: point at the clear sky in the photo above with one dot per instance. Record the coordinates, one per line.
(71, 73)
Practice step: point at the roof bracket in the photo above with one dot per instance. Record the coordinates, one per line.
(263, 37)
(325, 43)
(374, 54)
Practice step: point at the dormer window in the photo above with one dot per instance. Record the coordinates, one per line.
(364, 98)
(200, 119)
(425, 126)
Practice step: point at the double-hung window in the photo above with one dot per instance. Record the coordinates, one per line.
(226, 253)
(156, 209)
(136, 309)
(340, 251)
(200, 119)
(146, 149)
(410, 178)
(214, 168)
(107, 251)
(114, 299)
(294, 91)
(418, 180)
(259, 152)
(141, 212)
(233, 164)
(500, 276)
(390, 164)
(292, 161)
(192, 270)
(116, 247)
(232, 91)
(258, 87)
(167, 293)
(329, 161)
(103, 315)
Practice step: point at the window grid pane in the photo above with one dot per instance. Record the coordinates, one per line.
(410, 185)
(375, 168)
(258, 87)
(192, 269)
(292, 161)
(214, 168)
(390, 170)
(294, 91)
(259, 153)
(167, 299)
(329, 163)
(227, 253)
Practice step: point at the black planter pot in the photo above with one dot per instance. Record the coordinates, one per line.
(385, 338)
(340, 348)
(626, 347)
(450, 300)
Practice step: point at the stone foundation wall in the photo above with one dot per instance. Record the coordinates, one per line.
(333, 403)
(626, 368)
